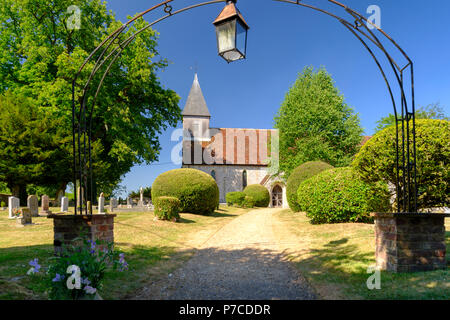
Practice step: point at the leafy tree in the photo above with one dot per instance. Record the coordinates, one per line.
(137, 194)
(376, 161)
(316, 124)
(39, 56)
(432, 111)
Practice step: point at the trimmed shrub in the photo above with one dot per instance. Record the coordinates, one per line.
(167, 208)
(259, 193)
(339, 195)
(376, 161)
(3, 204)
(235, 198)
(300, 174)
(196, 190)
(249, 202)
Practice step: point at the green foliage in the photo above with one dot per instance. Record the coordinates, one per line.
(3, 204)
(300, 174)
(339, 195)
(377, 158)
(235, 198)
(315, 123)
(196, 190)
(432, 111)
(167, 208)
(4, 188)
(248, 202)
(93, 262)
(39, 57)
(259, 193)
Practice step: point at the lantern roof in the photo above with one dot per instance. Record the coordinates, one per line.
(230, 11)
(196, 104)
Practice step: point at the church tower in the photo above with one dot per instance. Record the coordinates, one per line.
(196, 115)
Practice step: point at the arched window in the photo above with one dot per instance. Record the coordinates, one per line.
(213, 174)
(244, 179)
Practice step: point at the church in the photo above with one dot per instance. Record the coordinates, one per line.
(234, 157)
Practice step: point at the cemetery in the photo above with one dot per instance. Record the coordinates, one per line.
(313, 209)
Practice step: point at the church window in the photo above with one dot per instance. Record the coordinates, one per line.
(244, 179)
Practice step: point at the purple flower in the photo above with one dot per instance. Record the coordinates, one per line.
(58, 278)
(123, 263)
(90, 290)
(34, 263)
(85, 281)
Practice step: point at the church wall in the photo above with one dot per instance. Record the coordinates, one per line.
(230, 178)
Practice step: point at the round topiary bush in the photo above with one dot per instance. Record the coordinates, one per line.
(259, 193)
(196, 190)
(235, 198)
(376, 161)
(167, 208)
(339, 195)
(248, 202)
(300, 174)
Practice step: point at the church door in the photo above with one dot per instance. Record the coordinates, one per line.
(277, 197)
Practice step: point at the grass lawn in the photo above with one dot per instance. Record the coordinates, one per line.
(334, 258)
(152, 248)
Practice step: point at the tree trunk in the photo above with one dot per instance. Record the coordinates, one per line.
(19, 191)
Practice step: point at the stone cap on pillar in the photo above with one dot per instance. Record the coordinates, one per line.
(409, 215)
(80, 216)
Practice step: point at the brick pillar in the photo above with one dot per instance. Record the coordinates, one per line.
(410, 242)
(97, 227)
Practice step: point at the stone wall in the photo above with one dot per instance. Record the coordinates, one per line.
(410, 242)
(97, 227)
(229, 178)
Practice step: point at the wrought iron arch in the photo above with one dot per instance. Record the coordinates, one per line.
(406, 171)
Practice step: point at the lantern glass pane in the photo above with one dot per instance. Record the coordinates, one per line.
(241, 37)
(226, 36)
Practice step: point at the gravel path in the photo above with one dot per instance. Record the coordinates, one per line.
(243, 261)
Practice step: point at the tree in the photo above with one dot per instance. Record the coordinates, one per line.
(432, 111)
(315, 123)
(39, 56)
(31, 143)
(377, 161)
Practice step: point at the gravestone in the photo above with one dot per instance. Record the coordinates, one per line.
(80, 192)
(101, 204)
(13, 203)
(113, 202)
(45, 210)
(25, 217)
(33, 205)
(141, 199)
(64, 204)
(129, 203)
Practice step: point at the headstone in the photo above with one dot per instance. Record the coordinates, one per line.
(25, 217)
(79, 194)
(64, 204)
(141, 199)
(101, 204)
(113, 202)
(45, 210)
(129, 203)
(59, 197)
(13, 203)
(33, 205)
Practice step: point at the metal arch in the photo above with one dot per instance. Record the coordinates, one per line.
(402, 193)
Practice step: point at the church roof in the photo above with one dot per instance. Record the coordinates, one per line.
(196, 104)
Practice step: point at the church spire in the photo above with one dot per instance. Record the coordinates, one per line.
(196, 104)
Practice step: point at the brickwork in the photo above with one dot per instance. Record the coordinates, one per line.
(410, 242)
(97, 227)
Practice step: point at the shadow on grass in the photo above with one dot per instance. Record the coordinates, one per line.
(342, 266)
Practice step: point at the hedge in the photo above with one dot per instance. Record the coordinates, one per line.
(339, 195)
(167, 208)
(249, 202)
(196, 190)
(259, 193)
(300, 174)
(376, 161)
(235, 198)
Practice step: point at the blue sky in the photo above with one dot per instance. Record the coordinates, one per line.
(283, 39)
